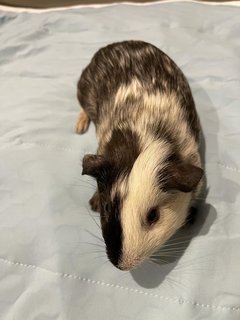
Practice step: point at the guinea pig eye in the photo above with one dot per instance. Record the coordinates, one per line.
(152, 216)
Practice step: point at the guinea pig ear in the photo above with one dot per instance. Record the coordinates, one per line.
(182, 177)
(94, 165)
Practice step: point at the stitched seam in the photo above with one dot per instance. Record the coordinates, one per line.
(43, 145)
(116, 286)
(228, 167)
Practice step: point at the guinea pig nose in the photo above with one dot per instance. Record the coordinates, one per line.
(124, 268)
(119, 267)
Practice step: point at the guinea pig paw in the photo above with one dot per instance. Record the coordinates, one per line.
(83, 123)
(94, 202)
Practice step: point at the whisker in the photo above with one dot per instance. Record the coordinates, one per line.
(192, 265)
(96, 257)
(159, 260)
(189, 263)
(171, 254)
(106, 261)
(80, 185)
(175, 243)
(92, 252)
(175, 282)
(93, 219)
(86, 181)
(93, 235)
(179, 248)
(89, 183)
(99, 257)
(172, 248)
(95, 214)
(166, 252)
(175, 238)
(168, 256)
(94, 244)
(178, 236)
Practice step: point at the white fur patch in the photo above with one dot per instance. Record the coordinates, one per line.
(133, 90)
(140, 240)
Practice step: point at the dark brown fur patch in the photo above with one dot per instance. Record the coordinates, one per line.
(117, 159)
(122, 150)
(112, 230)
(180, 176)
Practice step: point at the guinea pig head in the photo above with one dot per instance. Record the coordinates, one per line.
(141, 209)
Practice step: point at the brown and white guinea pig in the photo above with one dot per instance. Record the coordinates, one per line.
(147, 166)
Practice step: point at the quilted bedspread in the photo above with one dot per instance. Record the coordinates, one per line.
(52, 262)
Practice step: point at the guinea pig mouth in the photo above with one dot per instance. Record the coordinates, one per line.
(127, 266)
(129, 263)
(115, 259)
(119, 260)
(121, 263)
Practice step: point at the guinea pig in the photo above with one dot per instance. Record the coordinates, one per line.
(147, 167)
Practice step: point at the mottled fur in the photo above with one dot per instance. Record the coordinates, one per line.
(148, 146)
